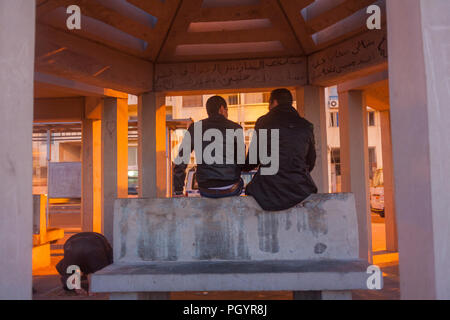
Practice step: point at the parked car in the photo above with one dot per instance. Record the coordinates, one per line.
(191, 187)
(377, 193)
(133, 182)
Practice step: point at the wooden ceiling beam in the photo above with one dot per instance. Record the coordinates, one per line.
(347, 28)
(292, 10)
(285, 32)
(45, 6)
(192, 11)
(165, 13)
(65, 55)
(181, 21)
(229, 13)
(336, 14)
(254, 35)
(121, 20)
(97, 31)
(156, 8)
(75, 87)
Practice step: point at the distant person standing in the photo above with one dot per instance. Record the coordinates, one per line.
(297, 155)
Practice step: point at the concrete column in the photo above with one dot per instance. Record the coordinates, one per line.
(355, 162)
(152, 146)
(114, 158)
(388, 177)
(97, 216)
(87, 177)
(419, 78)
(91, 216)
(17, 23)
(311, 106)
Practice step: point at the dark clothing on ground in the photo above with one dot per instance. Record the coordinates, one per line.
(293, 183)
(211, 175)
(88, 250)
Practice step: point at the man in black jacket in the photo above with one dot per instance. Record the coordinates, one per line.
(292, 183)
(218, 172)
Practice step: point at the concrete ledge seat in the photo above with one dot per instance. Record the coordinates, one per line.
(290, 275)
(195, 244)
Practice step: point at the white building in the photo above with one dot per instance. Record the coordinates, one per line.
(333, 141)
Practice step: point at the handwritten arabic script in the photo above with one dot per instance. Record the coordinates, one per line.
(256, 73)
(353, 55)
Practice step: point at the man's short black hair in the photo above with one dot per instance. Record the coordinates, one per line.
(213, 105)
(283, 96)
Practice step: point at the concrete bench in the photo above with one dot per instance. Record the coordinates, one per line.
(196, 244)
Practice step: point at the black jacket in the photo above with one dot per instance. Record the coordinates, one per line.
(88, 250)
(211, 175)
(293, 183)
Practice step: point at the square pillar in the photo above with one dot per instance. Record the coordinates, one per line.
(419, 78)
(355, 162)
(388, 179)
(91, 212)
(87, 183)
(97, 216)
(17, 25)
(152, 156)
(311, 106)
(114, 133)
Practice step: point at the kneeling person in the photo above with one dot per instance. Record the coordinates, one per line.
(89, 251)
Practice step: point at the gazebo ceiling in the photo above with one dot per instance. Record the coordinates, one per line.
(130, 36)
(196, 30)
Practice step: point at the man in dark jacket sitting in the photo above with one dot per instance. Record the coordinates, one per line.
(218, 172)
(292, 183)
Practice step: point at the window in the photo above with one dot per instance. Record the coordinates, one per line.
(169, 112)
(257, 98)
(233, 100)
(334, 119)
(249, 126)
(132, 156)
(194, 185)
(372, 161)
(192, 101)
(371, 115)
(336, 160)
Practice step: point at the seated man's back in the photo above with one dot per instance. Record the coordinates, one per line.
(216, 177)
(292, 183)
